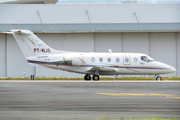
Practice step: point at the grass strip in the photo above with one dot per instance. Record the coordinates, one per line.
(102, 78)
(122, 118)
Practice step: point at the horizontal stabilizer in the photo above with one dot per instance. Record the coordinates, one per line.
(7, 32)
(22, 31)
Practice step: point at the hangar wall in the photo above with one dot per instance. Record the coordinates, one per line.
(16, 62)
(3, 55)
(105, 41)
(178, 53)
(163, 47)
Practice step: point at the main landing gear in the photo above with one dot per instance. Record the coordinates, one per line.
(87, 77)
(95, 77)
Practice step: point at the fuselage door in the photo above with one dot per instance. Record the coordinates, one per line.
(126, 59)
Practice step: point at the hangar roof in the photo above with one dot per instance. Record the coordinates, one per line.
(80, 18)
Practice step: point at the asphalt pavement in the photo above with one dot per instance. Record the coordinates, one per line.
(32, 100)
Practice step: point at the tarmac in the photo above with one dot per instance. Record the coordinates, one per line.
(81, 100)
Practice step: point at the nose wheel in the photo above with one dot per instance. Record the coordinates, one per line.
(158, 78)
(87, 77)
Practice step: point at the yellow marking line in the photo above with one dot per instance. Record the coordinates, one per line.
(82, 60)
(32, 41)
(123, 94)
(140, 94)
(174, 97)
(155, 94)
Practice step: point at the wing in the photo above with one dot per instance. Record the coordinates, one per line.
(101, 69)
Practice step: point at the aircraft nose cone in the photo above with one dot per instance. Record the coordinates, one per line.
(172, 69)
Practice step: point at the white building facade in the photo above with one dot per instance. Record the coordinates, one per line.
(150, 29)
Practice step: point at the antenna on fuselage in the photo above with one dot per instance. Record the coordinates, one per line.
(110, 50)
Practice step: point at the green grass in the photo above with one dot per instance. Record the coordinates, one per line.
(122, 118)
(102, 78)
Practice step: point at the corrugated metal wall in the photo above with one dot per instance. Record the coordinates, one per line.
(3, 55)
(105, 41)
(16, 62)
(164, 47)
(178, 53)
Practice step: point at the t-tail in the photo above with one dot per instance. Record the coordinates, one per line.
(31, 45)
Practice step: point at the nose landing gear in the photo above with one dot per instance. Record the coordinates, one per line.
(158, 78)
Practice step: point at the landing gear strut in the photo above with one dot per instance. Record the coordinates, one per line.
(158, 78)
(87, 77)
(95, 77)
(116, 77)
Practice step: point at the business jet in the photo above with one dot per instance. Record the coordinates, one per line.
(89, 63)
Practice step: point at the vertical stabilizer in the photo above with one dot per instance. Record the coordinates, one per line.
(31, 45)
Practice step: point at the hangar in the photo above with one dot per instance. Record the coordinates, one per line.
(153, 29)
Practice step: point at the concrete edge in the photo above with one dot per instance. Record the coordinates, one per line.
(83, 81)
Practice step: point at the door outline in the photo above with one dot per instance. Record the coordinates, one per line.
(125, 62)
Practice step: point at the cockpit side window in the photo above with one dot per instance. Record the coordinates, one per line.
(150, 60)
(144, 58)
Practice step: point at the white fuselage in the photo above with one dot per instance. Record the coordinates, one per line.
(115, 63)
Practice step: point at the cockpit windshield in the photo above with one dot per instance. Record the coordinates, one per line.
(146, 59)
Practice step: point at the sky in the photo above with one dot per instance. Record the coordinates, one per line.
(111, 1)
(117, 1)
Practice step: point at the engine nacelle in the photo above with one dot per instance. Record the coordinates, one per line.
(78, 60)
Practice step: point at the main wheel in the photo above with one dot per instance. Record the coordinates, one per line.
(87, 77)
(158, 78)
(95, 77)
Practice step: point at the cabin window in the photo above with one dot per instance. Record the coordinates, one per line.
(117, 59)
(100, 59)
(135, 60)
(126, 59)
(109, 59)
(93, 59)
